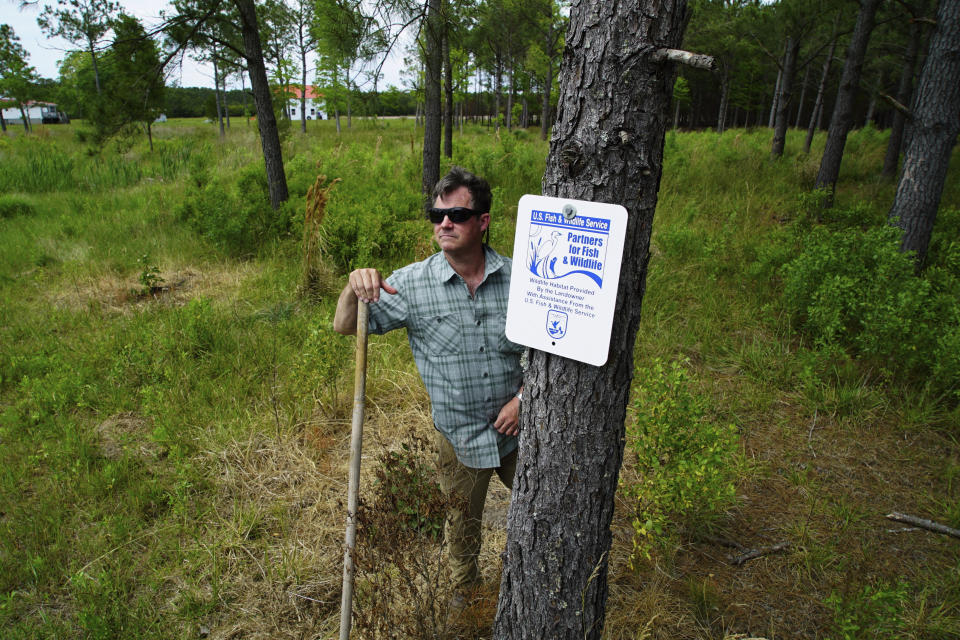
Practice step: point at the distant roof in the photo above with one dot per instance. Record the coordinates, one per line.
(29, 103)
(312, 92)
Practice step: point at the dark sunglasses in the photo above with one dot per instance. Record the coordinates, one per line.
(456, 214)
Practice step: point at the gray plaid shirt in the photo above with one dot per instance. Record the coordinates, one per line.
(469, 367)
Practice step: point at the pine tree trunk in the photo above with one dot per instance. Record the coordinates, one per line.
(448, 96)
(607, 146)
(904, 91)
(936, 122)
(303, 92)
(216, 94)
(803, 96)
(776, 96)
(842, 120)
(431, 91)
(783, 99)
(510, 95)
(96, 68)
(545, 119)
(821, 90)
(226, 107)
(724, 97)
(498, 89)
(871, 107)
(266, 120)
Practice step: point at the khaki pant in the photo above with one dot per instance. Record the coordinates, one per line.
(468, 487)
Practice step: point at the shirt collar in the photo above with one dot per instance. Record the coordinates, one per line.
(443, 271)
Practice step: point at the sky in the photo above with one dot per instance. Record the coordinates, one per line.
(45, 53)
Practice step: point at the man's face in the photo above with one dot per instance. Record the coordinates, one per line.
(455, 237)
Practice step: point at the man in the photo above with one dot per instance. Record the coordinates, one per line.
(453, 305)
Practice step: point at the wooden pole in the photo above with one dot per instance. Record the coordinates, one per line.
(353, 489)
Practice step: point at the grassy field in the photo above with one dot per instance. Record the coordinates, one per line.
(174, 412)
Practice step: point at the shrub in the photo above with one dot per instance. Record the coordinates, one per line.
(854, 288)
(233, 210)
(875, 611)
(686, 464)
(13, 205)
(402, 587)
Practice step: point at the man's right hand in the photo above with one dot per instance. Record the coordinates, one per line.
(363, 284)
(366, 284)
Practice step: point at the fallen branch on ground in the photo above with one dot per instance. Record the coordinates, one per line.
(756, 553)
(723, 542)
(929, 525)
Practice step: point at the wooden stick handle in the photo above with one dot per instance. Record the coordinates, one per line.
(353, 488)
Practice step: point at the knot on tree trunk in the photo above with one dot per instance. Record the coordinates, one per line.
(571, 157)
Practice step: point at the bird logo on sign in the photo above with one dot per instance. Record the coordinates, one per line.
(556, 324)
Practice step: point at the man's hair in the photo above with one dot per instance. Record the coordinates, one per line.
(459, 177)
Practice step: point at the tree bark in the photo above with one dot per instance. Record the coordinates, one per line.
(226, 107)
(431, 92)
(96, 68)
(303, 91)
(545, 120)
(783, 98)
(724, 97)
(607, 146)
(803, 96)
(26, 120)
(936, 122)
(821, 90)
(842, 120)
(904, 90)
(266, 120)
(498, 89)
(510, 95)
(776, 96)
(216, 94)
(448, 95)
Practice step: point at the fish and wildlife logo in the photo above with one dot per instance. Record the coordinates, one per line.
(556, 324)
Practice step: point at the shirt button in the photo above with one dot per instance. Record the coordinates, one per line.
(478, 323)
(485, 374)
(481, 349)
(489, 398)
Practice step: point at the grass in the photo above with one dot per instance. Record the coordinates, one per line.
(177, 463)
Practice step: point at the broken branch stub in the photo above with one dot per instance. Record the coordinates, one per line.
(696, 60)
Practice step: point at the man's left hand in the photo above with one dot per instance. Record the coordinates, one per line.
(508, 421)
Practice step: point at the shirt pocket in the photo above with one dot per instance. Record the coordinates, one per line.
(503, 344)
(442, 334)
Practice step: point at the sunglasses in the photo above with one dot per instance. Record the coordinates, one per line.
(456, 214)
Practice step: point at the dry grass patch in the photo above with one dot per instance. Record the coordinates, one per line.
(224, 282)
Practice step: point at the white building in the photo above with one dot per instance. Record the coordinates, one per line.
(315, 107)
(37, 112)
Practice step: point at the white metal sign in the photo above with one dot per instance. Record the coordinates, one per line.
(566, 268)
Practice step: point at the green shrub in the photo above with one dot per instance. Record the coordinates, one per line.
(13, 205)
(686, 464)
(854, 288)
(233, 210)
(875, 611)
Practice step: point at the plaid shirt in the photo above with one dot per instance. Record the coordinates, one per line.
(469, 367)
